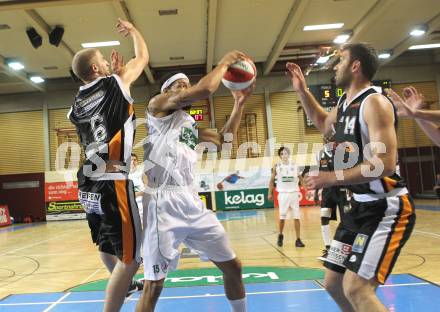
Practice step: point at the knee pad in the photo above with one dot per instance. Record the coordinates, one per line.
(326, 213)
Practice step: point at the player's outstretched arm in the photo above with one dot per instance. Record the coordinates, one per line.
(411, 105)
(240, 97)
(232, 124)
(133, 69)
(203, 89)
(320, 117)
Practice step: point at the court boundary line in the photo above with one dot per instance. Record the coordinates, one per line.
(427, 233)
(437, 284)
(57, 302)
(205, 295)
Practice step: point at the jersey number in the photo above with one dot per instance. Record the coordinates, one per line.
(98, 129)
(350, 122)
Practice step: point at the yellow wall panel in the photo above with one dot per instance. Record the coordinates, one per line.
(256, 130)
(22, 148)
(288, 122)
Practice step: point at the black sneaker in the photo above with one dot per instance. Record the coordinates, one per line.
(324, 255)
(280, 240)
(134, 287)
(299, 243)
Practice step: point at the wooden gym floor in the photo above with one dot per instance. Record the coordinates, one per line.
(55, 256)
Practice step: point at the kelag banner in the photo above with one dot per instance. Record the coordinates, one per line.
(243, 199)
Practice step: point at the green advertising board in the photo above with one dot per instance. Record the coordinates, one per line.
(213, 276)
(243, 199)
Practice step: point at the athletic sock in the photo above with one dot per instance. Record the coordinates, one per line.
(238, 305)
(325, 229)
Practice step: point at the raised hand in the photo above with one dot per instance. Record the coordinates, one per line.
(117, 62)
(408, 105)
(295, 74)
(124, 27)
(240, 96)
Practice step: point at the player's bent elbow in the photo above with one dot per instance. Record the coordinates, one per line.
(389, 169)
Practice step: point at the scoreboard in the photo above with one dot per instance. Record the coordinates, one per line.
(328, 95)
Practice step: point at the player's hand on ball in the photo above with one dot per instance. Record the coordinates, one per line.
(232, 57)
(240, 96)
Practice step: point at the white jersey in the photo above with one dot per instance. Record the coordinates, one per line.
(287, 177)
(136, 177)
(169, 155)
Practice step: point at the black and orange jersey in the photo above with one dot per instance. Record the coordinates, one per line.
(352, 132)
(325, 157)
(103, 115)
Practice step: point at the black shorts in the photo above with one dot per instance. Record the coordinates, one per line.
(113, 217)
(333, 198)
(99, 237)
(382, 228)
(340, 248)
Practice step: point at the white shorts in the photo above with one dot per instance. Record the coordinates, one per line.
(140, 207)
(289, 202)
(175, 217)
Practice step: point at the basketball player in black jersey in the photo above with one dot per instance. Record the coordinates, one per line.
(103, 115)
(333, 197)
(382, 213)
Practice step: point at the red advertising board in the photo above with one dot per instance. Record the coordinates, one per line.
(307, 197)
(5, 218)
(62, 200)
(60, 191)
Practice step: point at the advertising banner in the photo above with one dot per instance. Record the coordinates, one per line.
(243, 199)
(61, 198)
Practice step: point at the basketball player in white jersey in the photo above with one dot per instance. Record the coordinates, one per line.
(175, 213)
(382, 215)
(103, 115)
(287, 178)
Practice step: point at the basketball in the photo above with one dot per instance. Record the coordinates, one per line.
(240, 75)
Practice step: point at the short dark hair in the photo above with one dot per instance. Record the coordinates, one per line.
(282, 148)
(133, 154)
(366, 55)
(82, 63)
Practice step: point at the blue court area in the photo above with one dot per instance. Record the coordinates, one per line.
(402, 293)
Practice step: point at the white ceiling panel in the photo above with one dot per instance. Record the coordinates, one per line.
(395, 24)
(349, 12)
(168, 36)
(251, 26)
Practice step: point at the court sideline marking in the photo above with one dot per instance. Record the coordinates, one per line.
(56, 302)
(204, 296)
